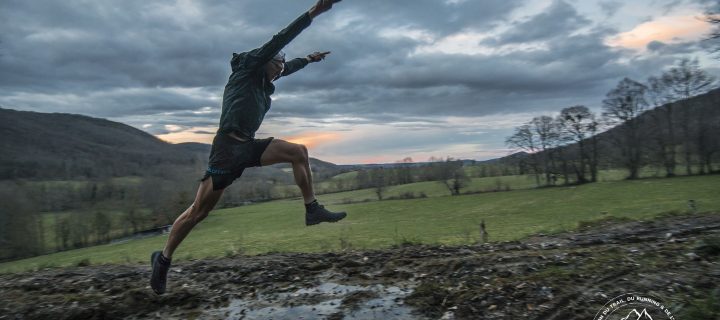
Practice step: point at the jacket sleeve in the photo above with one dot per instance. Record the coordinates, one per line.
(294, 65)
(262, 55)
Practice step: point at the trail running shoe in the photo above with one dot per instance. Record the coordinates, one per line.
(317, 213)
(160, 266)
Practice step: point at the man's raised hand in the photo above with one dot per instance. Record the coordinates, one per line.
(321, 6)
(317, 56)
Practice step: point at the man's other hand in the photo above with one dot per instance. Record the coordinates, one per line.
(321, 6)
(317, 56)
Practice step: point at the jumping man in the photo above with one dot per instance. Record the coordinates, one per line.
(234, 148)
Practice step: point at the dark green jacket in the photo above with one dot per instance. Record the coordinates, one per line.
(247, 94)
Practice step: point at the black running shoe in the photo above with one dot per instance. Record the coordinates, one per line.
(160, 266)
(317, 213)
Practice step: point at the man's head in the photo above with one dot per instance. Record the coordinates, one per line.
(274, 67)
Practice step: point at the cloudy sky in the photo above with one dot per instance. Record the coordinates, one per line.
(405, 78)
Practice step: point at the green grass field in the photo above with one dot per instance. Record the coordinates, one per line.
(116, 209)
(278, 226)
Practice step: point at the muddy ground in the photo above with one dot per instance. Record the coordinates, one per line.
(561, 276)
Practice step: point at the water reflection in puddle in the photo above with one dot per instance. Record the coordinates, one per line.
(340, 301)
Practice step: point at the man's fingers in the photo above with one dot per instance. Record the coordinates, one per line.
(317, 55)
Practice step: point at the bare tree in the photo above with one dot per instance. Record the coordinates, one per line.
(379, 182)
(714, 19)
(19, 222)
(664, 134)
(102, 225)
(577, 124)
(546, 130)
(622, 106)
(684, 81)
(450, 172)
(524, 139)
(134, 218)
(453, 176)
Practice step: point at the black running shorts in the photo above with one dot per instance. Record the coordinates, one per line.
(229, 157)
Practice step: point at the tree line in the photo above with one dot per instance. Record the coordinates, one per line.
(662, 122)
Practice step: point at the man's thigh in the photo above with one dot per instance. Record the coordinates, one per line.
(280, 151)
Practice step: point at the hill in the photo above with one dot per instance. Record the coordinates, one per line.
(698, 115)
(68, 146)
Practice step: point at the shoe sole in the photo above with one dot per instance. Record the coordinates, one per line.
(312, 223)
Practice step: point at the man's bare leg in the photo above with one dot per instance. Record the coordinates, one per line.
(205, 201)
(281, 151)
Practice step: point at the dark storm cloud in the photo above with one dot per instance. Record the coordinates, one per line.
(610, 7)
(132, 60)
(660, 47)
(558, 20)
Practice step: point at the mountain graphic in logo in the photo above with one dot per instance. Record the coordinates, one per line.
(634, 315)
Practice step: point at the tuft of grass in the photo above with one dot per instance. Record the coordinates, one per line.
(83, 262)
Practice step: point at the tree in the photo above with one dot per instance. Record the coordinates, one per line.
(684, 81)
(134, 218)
(62, 232)
(664, 124)
(524, 139)
(19, 224)
(714, 19)
(546, 130)
(451, 174)
(102, 225)
(79, 229)
(459, 180)
(622, 106)
(577, 124)
(379, 182)
(363, 179)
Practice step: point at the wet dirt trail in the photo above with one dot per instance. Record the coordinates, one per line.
(560, 276)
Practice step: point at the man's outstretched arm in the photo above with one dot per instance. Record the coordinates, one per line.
(299, 63)
(262, 55)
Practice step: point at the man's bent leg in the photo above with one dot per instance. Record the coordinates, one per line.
(205, 201)
(281, 151)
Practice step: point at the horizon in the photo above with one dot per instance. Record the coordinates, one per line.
(399, 83)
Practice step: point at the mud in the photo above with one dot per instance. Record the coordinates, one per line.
(560, 276)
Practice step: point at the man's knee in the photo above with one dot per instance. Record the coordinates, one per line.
(198, 214)
(300, 154)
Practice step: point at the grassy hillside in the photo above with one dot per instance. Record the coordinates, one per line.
(279, 225)
(66, 146)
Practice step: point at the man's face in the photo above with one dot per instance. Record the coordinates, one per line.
(274, 68)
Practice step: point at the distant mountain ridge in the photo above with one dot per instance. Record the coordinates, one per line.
(68, 146)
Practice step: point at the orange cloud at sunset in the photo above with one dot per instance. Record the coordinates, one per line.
(312, 139)
(664, 29)
(195, 134)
